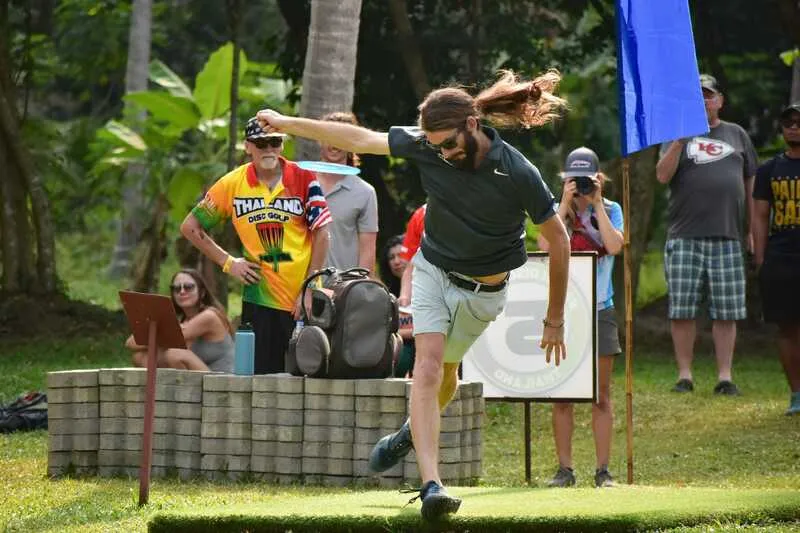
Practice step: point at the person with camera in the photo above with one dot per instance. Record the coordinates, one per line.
(594, 224)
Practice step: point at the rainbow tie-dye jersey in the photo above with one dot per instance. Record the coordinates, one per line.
(274, 226)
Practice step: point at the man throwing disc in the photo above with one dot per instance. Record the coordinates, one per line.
(479, 191)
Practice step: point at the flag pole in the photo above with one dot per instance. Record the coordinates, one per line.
(626, 201)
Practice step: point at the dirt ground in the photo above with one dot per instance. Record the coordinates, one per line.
(25, 317)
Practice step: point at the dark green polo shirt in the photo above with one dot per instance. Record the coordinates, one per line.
(475, 221)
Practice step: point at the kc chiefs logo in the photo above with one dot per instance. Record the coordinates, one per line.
(703, 150)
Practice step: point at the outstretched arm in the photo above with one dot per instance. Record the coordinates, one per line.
(554, 232)
(344, 136)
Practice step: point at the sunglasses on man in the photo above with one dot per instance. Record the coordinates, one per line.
(788, 122)
(264, 142)
(447, 144)
(185, 287)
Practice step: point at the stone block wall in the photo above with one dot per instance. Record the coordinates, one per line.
(276, 428)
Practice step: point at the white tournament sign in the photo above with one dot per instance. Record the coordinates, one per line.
(507, 357)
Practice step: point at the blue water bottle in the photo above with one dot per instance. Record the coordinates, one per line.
(244, 358)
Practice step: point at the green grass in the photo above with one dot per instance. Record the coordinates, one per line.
(682, 443)
(696, 440)
(495, 509)
(652, 283)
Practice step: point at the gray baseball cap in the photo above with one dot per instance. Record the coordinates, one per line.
(709, 82)
(581, 162)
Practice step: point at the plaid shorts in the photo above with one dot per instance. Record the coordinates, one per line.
(694, 267)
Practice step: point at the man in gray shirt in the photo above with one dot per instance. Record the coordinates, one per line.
(710, 183)
(480, 192)
(353, 205)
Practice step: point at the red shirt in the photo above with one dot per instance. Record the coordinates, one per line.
(414, 231)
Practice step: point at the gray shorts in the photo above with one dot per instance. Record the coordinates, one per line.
(607, 332)
(438, 306)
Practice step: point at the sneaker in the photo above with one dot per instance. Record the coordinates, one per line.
(794, 404)
(726, 388)
(388, 451)
(602, 478)
(436, 502)
(683, 385)
(564, 477)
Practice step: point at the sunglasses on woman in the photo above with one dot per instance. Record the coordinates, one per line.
(788, 122)
(264, 142)
(186, 287)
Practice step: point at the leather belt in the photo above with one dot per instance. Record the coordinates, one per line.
(475, 286)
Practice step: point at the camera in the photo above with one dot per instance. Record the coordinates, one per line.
(584, 185)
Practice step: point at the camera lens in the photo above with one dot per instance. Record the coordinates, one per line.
(584, 185)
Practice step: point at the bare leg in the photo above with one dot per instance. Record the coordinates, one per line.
(184, 360)
(603, 414)
(563, 425)
(425, 423)
(724, 334)
(139, 359)
(683, 335)
(789, 351)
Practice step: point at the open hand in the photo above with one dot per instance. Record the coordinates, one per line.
(245, 271)
(553, 344)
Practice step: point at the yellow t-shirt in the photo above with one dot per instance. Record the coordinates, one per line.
(274, 226)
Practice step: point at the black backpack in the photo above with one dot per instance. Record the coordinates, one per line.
(350, 331)
(27, 412)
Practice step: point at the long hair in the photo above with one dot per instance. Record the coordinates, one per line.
(391, 281)
(349, 118)
(509, 102)
(206, 299)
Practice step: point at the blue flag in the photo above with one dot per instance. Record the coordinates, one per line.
(659, 84)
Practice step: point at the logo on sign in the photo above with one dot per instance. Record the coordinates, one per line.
(508, 355)
(702, 150)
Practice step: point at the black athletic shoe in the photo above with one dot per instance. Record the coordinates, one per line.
(727, 388)
(683, 385)
(391, 449)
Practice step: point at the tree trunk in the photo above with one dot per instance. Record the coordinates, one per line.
(133, 203)
(409, 49)
(21, 167)
(11, 280)
(794, 95)
(638, 215)
(330, 66)
(151, 252)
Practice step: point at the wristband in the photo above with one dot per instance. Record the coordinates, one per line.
(551, 325)
(228, 264)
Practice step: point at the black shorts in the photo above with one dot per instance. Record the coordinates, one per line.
(779, 281)
(273, 329)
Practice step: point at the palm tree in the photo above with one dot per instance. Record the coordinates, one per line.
(133, 204)
(330, 66)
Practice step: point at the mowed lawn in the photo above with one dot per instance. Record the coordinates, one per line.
(697, 440)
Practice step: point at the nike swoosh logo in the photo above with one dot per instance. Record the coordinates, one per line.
(497, 171)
